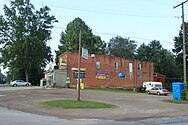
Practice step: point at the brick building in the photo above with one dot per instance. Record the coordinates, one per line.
(106, 71)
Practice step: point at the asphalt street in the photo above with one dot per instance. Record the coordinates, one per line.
(19, 106)
(13, 117)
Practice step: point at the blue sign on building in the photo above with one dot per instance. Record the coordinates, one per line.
(121, 75)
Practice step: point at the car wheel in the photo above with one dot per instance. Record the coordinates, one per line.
(15, 85)
(158, 93)
(148, 92)
(27, 85)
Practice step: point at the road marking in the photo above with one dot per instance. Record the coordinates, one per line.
(2, 95)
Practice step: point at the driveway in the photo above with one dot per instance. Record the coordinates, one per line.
(131, 106)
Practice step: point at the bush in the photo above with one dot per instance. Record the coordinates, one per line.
(183, 95)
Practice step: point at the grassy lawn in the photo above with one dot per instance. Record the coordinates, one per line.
(76, 104)
(177, 101)
(113, 90)
(4, 85)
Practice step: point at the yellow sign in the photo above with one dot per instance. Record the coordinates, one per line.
(101, 76)
(81, 69)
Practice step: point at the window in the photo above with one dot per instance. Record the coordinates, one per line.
(116, 65)
(130, 67)
(139, 67)
(98, 65)
(139, 71)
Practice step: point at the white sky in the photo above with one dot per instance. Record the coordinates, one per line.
(139, 20)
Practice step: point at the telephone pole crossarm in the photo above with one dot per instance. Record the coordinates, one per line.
(180, 4)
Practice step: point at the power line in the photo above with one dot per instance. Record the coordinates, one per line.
(161, 3)
(111, 34)
(184, 46)
(111, 13)
(141, 38)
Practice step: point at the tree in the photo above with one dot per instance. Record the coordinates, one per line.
(2, 78)
(149, 52)
(70, 39)
(164, 61)
(24, 33)
(121, 47)
(178, 47)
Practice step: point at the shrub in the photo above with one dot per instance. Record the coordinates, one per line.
(183, 95)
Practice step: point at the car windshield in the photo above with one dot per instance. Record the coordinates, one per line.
(161, 88)
(19, 80)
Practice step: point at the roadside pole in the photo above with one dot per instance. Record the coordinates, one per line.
(184, 47)
(79, 66)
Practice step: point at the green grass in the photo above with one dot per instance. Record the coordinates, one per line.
(76, 104)
(112, 90)
(177, 101)
(4, 85)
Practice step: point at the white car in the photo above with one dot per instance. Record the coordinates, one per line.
(158, 91)
(19, 83)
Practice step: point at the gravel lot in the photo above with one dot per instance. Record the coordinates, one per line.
(130, 106)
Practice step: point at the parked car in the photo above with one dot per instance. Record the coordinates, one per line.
(19, 83)
(158, 91)
(149, 85)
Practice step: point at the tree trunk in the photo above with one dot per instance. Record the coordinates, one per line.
(26, 75)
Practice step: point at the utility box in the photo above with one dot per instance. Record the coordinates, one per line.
(59, 78)
(177, 87)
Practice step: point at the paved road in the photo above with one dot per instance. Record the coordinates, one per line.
(133, 109)
(19, 88)
(13, 117)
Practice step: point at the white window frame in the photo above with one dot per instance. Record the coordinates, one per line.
(139, 67)
(98, 64)
(116, 66)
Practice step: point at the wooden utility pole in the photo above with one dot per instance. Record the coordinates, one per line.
(184, 45)
(79, 57)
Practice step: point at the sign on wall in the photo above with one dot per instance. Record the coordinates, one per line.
(101, 76)
(121, 75)
(82, 75)
(63, 63)
(84, 53)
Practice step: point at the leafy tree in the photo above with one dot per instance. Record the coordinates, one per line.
(2, 78)
(121, 47)
(178, 47)
(24, 33)
(149, 52)
(70, 39)
(164, 62)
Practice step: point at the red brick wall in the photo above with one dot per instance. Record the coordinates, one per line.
(159, 78)
(107, 66)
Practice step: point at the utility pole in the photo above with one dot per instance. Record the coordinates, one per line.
(79, 66)
(184, 47)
